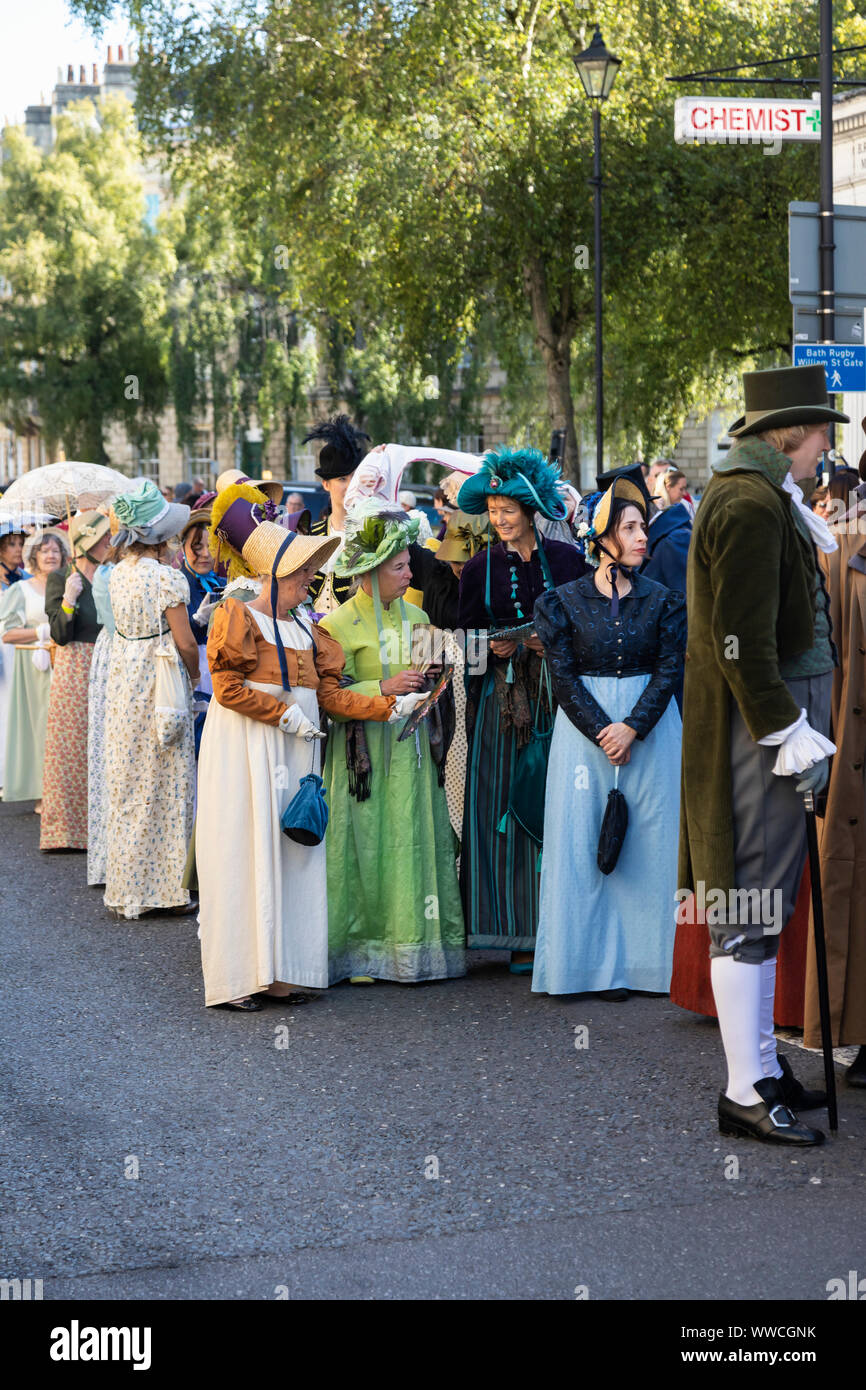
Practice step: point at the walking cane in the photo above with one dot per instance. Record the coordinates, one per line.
(821, 961)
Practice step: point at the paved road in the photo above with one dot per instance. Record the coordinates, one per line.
(303, 1169)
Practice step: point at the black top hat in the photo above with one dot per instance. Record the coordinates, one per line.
(633, 472)
(343, 447)
(785, 396)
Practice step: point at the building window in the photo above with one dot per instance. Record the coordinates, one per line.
(151, 210)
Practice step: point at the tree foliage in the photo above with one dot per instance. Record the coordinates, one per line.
(426, 164)
(84, 284)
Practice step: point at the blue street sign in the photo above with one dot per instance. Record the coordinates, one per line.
(845, 366)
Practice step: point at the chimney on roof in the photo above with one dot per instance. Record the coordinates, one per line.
(110, 53)
(82, 74)
(95, 76)
(70, 74)
(120, 53)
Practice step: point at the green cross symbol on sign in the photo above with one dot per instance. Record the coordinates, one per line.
(814, 120)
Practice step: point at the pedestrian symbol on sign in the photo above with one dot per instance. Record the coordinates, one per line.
(835, 380)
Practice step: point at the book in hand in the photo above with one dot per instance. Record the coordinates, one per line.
(423, 708)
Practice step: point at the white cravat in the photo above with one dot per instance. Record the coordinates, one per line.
(818, 528)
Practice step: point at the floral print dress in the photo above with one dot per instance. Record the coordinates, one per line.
(150, 788)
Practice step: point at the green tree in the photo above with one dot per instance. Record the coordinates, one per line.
(83, 338)
(427, 165)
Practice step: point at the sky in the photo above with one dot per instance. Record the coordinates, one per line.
(37, 37)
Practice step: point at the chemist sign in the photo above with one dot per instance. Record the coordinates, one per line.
(735, 121)
(845, 366)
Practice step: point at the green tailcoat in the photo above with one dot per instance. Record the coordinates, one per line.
(750, 605)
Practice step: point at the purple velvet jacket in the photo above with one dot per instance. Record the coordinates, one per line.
(527, 583)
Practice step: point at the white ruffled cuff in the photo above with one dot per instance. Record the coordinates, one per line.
(800, 747)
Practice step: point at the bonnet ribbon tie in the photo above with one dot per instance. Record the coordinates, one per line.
(383, 655)
(278, 641)
(614, 569)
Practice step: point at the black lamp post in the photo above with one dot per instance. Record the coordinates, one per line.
(597, 70)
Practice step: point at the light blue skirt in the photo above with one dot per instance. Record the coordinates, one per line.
(611, 931)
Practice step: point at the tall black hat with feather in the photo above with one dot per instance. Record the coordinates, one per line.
(343, 448)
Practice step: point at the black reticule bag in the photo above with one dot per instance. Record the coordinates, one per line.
(613, 827)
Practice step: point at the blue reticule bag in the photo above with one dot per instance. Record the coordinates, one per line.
(305, 819)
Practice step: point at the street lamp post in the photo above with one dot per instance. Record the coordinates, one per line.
(597, 70)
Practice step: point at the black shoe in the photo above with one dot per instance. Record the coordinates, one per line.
(794, 1093)
(856, 1073)
(614, 996)
(242, 1006)
(771, 1121)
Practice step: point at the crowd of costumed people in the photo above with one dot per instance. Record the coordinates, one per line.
(553, 729)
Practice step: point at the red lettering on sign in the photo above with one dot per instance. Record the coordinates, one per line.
(736, 121)
(783, 120)
(699, 111)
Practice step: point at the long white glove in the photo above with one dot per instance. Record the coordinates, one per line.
(207, 606)
(294, 721)
(43, 634)
(72, 590)
(404, 705)
(800, 746)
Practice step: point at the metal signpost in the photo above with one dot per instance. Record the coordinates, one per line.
(706, 120)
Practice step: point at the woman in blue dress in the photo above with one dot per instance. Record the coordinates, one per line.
(615, 643)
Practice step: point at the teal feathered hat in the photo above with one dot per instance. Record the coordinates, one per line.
(523, 474)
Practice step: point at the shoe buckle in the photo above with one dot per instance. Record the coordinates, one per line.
(781, 1117)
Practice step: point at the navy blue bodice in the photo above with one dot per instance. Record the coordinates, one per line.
(648, 637)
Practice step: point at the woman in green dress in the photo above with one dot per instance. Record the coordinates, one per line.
(394, 908)
(24, 628)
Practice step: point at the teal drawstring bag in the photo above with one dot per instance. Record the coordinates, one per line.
(305, 819)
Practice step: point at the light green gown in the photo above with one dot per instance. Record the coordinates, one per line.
(393, 900)
(22, 605)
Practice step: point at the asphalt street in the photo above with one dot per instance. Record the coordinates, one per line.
(443, 1141)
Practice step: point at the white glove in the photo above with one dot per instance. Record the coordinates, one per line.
(41, 660)
(74, 585)
(294, 721)
(43, 634)
(404, 705)
(207, 606)
(800, 746)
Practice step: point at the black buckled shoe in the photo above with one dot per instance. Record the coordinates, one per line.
(795, 1094)
(771, 1121)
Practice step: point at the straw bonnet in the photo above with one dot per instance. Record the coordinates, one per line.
(598, 513)
(258, 541)
(785, 396)
(464, 537)
(233, 475)
(86, 530)
(633, 472)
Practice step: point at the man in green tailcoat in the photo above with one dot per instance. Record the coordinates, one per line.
(758, 679)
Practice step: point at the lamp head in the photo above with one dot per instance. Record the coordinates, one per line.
(596, 68)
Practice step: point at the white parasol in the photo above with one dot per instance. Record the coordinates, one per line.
(57, 489)
(379, 473)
